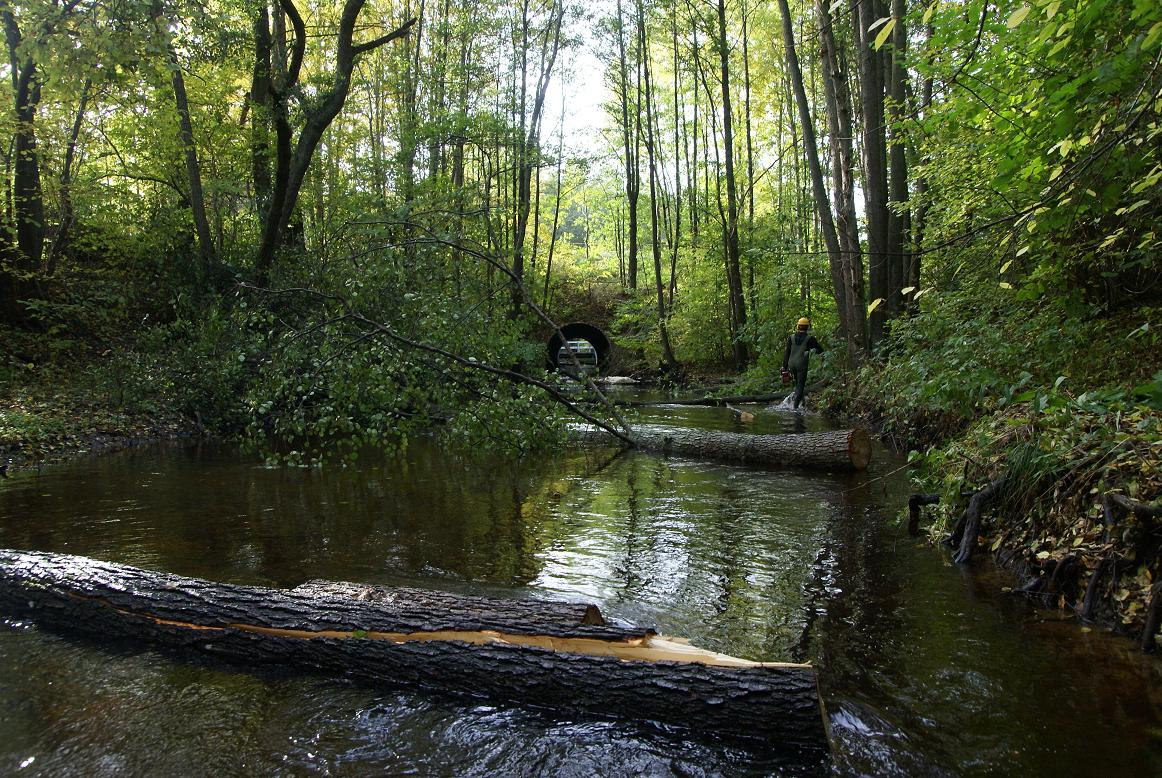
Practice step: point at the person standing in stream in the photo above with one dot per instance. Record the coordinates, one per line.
(800, 344)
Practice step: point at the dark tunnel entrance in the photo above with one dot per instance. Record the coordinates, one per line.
(579, 331)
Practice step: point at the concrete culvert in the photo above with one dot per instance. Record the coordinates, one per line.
(589, 335)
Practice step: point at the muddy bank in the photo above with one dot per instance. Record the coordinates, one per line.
(38, 432)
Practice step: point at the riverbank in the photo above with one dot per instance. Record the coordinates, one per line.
(38, 428)
(1046, 453)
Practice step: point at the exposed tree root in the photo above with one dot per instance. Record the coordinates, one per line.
(914, 504)
(968, 525)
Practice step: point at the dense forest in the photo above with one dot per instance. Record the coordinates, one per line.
(316, 226)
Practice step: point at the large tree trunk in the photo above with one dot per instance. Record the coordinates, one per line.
(818, 190)
(730, 227)
(899, 220)
(291, 165)
(836, 450)
(193, 168)
(558, 656)
(875, 183)
(838, 96)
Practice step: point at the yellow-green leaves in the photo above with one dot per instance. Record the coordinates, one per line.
(875, 304)
(883, 34)
(887, 23)
(1017, 16)
(929, 11)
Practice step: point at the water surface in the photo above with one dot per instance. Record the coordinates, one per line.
(925, 668)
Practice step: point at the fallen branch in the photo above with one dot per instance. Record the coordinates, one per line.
(378, 328)
(717, 402)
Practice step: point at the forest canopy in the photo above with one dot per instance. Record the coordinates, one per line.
(321, 222)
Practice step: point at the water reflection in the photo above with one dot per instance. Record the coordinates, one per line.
(923, 670)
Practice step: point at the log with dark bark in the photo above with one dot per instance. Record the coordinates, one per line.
(835, 450)
(717, 402)
(557, 656)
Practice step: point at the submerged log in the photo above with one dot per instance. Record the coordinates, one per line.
(558, 656)
(835, 450)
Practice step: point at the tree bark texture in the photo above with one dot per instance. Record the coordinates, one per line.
(818, 190)
(838, 96)
(193, 168)
(835, 450)
(730, 226)
(291, 165)
(369, 634)
(875, 185)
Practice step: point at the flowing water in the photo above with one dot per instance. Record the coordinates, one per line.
(925, 668)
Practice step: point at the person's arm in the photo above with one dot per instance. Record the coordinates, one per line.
(787, 353)
(814, 345)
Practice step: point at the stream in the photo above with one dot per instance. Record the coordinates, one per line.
(925, 668)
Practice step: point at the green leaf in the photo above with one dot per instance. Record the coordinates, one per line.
(1006, 266)
(1052, 9)
(883, 34)
(875, 304)
(1017, 16)
(928, 13)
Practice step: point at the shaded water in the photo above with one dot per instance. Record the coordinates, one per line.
(924, 667)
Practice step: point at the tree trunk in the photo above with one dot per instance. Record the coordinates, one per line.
(836, 450)
(838, 97)
(529, 148)
(818, 190)
(733, 272)
(292, 164)
(60, 246)
(899, 218)
(871, 83)
(260, 114)
(26, 192)
(552, 655)
(193, 169)
(659, 288)
(632, 176)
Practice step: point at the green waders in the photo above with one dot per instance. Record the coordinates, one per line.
(797, 364)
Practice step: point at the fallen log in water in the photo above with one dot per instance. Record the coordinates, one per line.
(560, 656)
(835, 450)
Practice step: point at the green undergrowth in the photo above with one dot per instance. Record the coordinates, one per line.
(1063, 455)
(40, 426)
(1066, 405)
